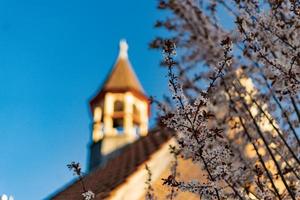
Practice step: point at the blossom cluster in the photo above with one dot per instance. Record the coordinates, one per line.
(246, 79)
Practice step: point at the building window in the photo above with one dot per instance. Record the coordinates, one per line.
(118, 124)
(118, 106)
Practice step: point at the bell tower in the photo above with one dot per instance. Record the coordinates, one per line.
(120, 110)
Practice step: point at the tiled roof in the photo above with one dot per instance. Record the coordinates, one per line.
(103, 180)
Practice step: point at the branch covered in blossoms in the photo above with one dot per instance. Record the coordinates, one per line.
(251, 100)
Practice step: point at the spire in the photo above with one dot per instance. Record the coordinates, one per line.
(123, 49)
(122, 76)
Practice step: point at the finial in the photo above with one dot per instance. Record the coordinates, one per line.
(123, 49)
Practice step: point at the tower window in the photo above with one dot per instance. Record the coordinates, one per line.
(118, 124)
(118, 106)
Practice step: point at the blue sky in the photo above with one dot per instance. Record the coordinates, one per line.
(54, 56)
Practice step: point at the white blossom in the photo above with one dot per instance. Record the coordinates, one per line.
(88, 195)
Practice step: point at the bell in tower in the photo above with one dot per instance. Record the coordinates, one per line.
(120, 111)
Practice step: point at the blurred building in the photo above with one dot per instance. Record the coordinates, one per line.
(121, 144)
(120, 111)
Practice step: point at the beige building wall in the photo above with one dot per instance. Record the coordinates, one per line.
(264, 125)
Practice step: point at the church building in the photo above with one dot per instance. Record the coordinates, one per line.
(122, 144)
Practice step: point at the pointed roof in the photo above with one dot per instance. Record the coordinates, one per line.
(122, 77)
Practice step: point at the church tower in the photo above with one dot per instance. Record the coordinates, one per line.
(120, 111)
